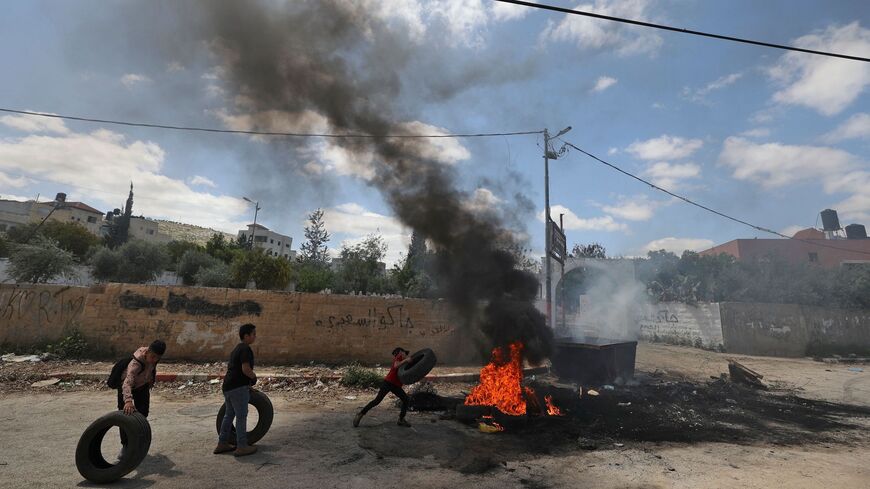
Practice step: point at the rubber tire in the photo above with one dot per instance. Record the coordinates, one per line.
(265, 411)
(422, 362)
(89, 458)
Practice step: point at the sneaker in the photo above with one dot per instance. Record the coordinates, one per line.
(223, 448)
(404, 423)
(242, 451)
(356, 419)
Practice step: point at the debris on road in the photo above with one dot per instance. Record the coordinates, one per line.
(11, 357)
(744, 375)
(46, 382)
(592, 392)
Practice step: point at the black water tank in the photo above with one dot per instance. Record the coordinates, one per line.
(60, 197)
(856, 231)
(830, 221)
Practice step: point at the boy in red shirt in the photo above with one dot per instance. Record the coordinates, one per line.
(391, 384)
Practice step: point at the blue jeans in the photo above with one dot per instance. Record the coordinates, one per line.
(237, 407)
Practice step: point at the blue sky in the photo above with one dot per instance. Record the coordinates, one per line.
(767, 136)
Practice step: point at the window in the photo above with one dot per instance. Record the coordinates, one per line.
(287, 245)
(814, 257)
(260, 239)
(2, 227)
(150, 231)
(92, 219)
(271, 241)
(72, 218)
(279, 243)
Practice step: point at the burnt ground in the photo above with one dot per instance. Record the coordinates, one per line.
(654, 409)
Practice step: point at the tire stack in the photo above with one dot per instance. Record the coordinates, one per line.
(91, 463)
(265, 414)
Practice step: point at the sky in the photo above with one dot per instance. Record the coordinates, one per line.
(768, 136)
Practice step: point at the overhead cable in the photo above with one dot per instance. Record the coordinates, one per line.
(267, 133)
(708, 209)
(681, 30)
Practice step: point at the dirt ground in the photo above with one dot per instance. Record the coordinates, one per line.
(312, 443)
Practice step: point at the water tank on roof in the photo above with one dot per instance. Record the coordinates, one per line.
(60, 197)
(830, 221)
(856, 231)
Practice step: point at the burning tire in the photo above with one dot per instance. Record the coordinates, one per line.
(420, 365)
(91, 463)
(265, 414)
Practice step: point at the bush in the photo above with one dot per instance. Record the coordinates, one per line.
(191, 262)
(268, 272)
(69, 236)
(71, 346)
(355, 375)
(134, 262)
(40, 261)
(177, 248)
(314, 277)
(217, 275)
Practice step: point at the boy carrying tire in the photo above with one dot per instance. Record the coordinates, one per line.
(392, 384)
(237, 393)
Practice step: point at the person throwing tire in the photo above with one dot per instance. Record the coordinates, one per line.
(237, 393)
(392, 384)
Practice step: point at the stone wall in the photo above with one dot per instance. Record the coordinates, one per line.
(202, 323)
(681, 324)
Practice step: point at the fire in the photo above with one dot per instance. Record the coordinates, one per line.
(488, 425)
(501, 382)
(552, 409)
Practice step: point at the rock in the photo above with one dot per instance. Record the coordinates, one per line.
(214, 381)
(46, 382)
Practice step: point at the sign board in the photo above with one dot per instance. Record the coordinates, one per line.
(558, 243)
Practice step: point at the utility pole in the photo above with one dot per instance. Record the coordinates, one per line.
(254, 227)
(548, 154)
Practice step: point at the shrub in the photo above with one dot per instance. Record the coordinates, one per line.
(268, 272)
(191, 262)
(355, 375)
(40, 261)
(71, 346)
(217, 275)
(106, 264)
(134, 262)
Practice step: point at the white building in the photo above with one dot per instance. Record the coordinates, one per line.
(15, 213)
(273, 243)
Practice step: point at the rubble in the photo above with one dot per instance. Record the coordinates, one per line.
(745, 375)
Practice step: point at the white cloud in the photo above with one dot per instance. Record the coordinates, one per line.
(574, 222)
(174, 67)
(790, 230)
(98, 167)
(201, 180)
(718, 84)
(678, 245)
(637, 208)
(658, 105)
(758, 132)
(132, 79)
(776, 165)
(613, 151)
(856, 127)
(356, 223)
(827, 85)
(603, 83)
(7, 181)
(34, 123)
(483, 200)
(665, 148)
(590, 33)
(670, 176)
(505, 11)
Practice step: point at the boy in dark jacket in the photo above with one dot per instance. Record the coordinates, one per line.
(237, 393)
(392, 384)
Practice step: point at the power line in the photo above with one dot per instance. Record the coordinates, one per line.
(267, 133)
(708, 209)
(681, 30)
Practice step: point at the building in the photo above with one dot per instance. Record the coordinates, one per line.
(15, 213)
(273, 243)
(826, 248)
(146, 229)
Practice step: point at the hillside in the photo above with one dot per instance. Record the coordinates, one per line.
(188, 232)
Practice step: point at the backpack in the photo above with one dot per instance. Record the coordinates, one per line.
(119, 371)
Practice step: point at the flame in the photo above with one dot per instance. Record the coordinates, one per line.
(489, 425)
(552, 409)
(500, 382)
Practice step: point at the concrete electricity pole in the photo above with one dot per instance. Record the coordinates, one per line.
(254, 227)
(548, 154)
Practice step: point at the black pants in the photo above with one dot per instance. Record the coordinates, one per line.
(142, 401)
(385, 388)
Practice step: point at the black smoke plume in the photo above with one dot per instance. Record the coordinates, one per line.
(336, 59)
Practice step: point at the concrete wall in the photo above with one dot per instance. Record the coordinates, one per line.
(790, 330)
(681, 324)
(202, 323)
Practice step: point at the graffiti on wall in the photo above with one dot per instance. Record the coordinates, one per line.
(47, 307)
(381, 319)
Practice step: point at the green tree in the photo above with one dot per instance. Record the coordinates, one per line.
(267, 272)
(591, 250)
(361, 269)
(4, 247)
(191, 262)
(410, 276)
(314, 248)
(135, 262)
(106, 265)
(313, 277)
(69, 236)
(177, 248)
(40, 261)
(217, 275)
(223, 249)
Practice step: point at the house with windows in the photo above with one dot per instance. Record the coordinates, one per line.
(273, 243)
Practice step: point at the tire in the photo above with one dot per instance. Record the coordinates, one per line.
(420, 365)
(89, 458)
(265, 411)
